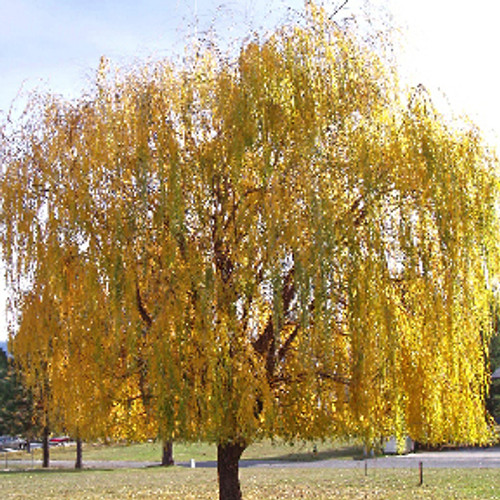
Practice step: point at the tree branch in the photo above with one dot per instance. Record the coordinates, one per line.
(338, 9)
(288, 343)
(335, 378)
(142, 310)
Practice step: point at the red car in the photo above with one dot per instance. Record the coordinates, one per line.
(56, 441)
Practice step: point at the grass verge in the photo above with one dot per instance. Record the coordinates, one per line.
(257, 484)
(183, 452)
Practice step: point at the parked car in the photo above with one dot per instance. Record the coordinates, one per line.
(11, 443)
(56, 441)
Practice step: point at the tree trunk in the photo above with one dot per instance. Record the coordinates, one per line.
(45, 444)
(78, 463)
(168, 454)
(228, 456)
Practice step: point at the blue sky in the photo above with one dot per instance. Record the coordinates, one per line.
(451, 45)
(57, 44)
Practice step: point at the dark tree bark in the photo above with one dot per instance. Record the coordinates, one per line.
(78, 462)
(228, 456)
(45, 445)
(168, 454)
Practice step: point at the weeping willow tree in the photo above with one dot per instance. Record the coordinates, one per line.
(285, 243)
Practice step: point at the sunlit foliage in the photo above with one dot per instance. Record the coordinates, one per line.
(284, 243)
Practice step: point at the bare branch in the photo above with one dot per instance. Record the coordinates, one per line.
(338, 9)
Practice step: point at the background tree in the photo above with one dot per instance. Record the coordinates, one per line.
(280, 244)
(493, 401)
(16, 410)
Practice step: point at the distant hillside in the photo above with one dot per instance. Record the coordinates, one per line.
(3, 345)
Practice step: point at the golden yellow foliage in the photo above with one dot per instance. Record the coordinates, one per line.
(281, 244)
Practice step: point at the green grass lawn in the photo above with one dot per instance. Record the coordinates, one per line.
(151, 452)
(257, 484)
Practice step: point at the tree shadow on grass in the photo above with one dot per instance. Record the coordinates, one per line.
(309, 453)
(302, 453)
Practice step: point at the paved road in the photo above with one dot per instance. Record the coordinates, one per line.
(474, 458)
(488, 458)
(446, 459)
